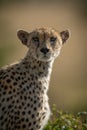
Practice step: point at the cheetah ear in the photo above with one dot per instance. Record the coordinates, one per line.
(64, 35)
(23, 36)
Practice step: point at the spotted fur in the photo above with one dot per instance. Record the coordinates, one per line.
(24, 85)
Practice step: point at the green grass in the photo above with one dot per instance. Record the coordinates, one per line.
(67, 121)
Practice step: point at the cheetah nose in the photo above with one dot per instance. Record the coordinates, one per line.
(44, 50)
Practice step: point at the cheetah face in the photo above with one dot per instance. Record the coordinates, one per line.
(44, 43)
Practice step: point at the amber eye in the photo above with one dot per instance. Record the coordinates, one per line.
(35, 39)
(53, 40)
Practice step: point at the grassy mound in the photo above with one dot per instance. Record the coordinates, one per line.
(67, 121)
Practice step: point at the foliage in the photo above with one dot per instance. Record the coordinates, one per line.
(66, 121)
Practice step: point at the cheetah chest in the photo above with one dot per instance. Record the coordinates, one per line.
(32, 99)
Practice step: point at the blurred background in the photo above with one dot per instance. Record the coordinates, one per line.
(68, 86)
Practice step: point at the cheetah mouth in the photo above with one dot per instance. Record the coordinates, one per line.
(46, 57)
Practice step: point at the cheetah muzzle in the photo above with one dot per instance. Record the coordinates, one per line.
(24, 85)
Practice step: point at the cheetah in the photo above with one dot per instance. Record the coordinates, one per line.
(24, 85)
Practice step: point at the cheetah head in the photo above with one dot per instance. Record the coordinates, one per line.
(44, 43)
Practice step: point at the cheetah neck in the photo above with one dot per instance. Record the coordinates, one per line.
(42, 69)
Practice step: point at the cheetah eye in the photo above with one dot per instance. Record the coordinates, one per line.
(35, 39)
(53, 40)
